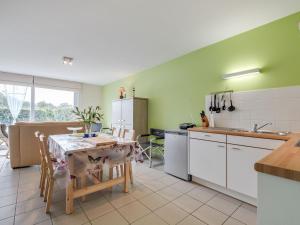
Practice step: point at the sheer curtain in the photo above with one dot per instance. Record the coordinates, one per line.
(15, 96)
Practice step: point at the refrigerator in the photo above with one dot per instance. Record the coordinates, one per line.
(176, 153)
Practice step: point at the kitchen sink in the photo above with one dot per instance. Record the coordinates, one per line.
(244, 130)
(272, 132)
(228, 129)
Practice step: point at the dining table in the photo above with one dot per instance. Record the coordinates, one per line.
(85, 157)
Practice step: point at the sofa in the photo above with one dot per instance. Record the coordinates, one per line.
(23, 145)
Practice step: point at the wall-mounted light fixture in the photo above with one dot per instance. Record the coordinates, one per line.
(242, 73)
(67, 60)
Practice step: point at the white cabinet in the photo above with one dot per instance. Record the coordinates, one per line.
(127, 112)
(208, 161)
(228, 161)
(116, 116)
(130, 113)
(241, 175)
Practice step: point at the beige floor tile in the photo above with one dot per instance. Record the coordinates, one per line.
(168, 180)
(154, 185)
(154, 201)
(183, 186)
(224, 204)
(111, 218)
(27, 195)
(8, 200)
(191, 220)
(140, 191)
(32, 217)
(232, 221)
(46, 222)
(29, 205)
(120, 199)
(7, 221)
(187, 203)
(7, 211)
(76, 218)
(150, 219)
(58, 208)
(169, 193)
(134, 211)
(246, 214)
(210, 215)
(28, 187)
(96, 208)
(202, 194)
(171, 214)
(8, 191)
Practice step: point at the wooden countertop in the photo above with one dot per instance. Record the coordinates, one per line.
(282, 162)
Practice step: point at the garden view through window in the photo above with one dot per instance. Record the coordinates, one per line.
(53, 105)
(49, 104)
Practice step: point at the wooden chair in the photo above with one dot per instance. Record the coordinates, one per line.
(49, 172)
(116, 132)
(119, 166)
(43, 167)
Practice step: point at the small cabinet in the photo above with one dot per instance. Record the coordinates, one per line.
(208, 161)
(131, 113)
(116, 116)
(241, 175)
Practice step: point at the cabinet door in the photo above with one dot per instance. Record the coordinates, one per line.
(241, 175)
(208, 161)
(127, 112)
(116, 112)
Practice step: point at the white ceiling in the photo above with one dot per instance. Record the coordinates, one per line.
(111, 39)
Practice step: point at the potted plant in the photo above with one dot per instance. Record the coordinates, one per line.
(88, 117)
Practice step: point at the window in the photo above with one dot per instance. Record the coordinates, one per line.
(53, 105)
(24, 98)
(17, 101)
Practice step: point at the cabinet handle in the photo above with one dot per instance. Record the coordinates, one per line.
(206, 135)
(221, 146)
(235, 148)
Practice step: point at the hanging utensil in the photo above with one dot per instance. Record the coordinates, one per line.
(214, 108)
(223, 99)
(218, 109)
(211, 103)
(231, 107)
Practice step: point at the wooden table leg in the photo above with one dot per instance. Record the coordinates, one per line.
(82, 185)
(70, 186)
(126, 180)
(69, 197)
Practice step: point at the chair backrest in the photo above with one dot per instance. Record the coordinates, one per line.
(157, 132)
(46, 153)
(129, 134)
(37, 136)
(116, 132)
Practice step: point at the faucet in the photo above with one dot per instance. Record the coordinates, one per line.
(256, 128)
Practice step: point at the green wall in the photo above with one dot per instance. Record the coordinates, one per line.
(176, 89)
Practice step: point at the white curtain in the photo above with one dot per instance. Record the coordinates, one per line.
(15, 96)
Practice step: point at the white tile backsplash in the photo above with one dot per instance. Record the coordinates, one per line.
(280, 106)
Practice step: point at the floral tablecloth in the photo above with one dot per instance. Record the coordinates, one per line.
(86, 157)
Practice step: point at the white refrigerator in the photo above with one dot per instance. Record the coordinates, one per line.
(176, 154)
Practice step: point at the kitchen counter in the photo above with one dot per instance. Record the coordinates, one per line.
(282, 162)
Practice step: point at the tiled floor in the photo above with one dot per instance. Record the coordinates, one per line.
(155, 199)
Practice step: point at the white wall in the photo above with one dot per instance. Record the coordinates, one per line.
(90, 95)
(280, 106)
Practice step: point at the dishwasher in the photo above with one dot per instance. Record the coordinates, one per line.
(176, 154)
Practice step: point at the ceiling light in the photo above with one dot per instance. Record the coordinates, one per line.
(242, 73)
(67, 60)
